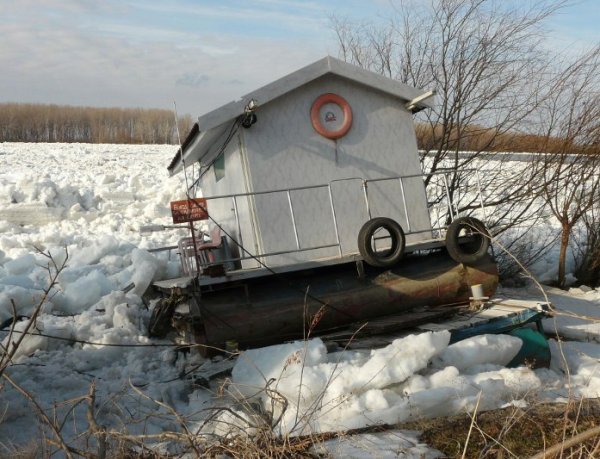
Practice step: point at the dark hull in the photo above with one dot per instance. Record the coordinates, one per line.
(281, 307)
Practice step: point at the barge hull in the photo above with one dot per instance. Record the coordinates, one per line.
(282, 307)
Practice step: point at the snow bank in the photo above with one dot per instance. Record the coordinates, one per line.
(84, 204)
(483, 349)
(90, 200)
(416, 376)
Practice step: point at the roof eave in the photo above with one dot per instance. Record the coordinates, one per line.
(191, 149)
(184, 151)
(304, 75)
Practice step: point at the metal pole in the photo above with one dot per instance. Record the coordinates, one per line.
(365, 192)
(480, 194)
(335, 226)
(195, 247)
(448, 196)
(237, 221)
(404, 203)
(289, 196)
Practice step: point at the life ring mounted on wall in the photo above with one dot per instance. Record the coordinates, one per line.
(317, 119)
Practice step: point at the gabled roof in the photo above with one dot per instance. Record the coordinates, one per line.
(199, 141)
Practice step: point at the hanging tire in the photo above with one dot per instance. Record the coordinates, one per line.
(389, 257)
(467, 251)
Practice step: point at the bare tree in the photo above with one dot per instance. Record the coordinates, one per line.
(486, 61)
(587, 248)
(15, 338)
(571, 168)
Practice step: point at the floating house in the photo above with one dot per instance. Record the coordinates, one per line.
(314, 192)
(310, 158)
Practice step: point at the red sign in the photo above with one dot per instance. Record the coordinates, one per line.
(189, 210)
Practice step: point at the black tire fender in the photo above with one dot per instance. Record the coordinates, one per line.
(467, 252)
(389, 257)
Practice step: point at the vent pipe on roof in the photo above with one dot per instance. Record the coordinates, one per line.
(412, 106)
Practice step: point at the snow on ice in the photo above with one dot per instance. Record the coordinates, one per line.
(416, 376)
(89, 202)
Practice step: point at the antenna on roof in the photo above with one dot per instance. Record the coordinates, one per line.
(187, 189)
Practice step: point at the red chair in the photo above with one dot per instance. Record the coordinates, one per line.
(205, 251)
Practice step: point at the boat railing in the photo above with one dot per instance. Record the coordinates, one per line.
(442, 210)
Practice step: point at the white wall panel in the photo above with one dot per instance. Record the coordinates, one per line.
(222, 210)
(283, 151)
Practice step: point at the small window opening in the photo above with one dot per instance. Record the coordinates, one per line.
(219, 166)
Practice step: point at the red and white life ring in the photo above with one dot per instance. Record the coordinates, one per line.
(315, 115)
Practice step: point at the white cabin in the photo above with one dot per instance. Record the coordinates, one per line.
(300, 194)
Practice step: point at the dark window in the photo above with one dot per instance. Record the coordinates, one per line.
(219, 166)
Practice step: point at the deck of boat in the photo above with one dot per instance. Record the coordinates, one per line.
(251, 273)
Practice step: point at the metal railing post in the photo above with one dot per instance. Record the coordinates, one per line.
(404, 204)
(366, 193)
(335, 226)
(448, 196)
(289, 197)
(480, 194)
(237, 221)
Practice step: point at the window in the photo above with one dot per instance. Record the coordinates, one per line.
(219, 166)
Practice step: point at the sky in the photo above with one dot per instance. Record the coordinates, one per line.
(192, 54)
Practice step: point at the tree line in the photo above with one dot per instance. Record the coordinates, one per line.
(56, 123)
(476, 138)
(59, 123)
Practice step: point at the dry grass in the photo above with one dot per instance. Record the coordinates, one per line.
(266, 446)
(504, 433)
(514, 432)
